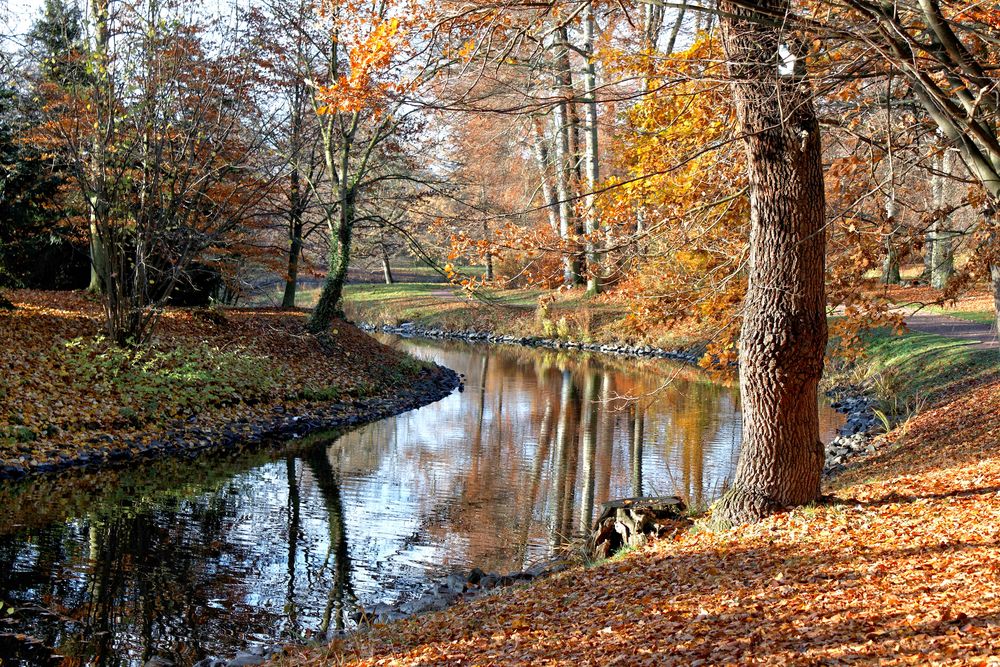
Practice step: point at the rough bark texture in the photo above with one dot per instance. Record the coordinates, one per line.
(784, 328)
(329, 305)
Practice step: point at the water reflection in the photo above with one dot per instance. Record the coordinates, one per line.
(189, 559)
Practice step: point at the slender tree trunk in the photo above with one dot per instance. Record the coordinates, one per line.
(487, 237)
(489, 254)
(329, 305)
(295, 208)
(568, 161)
(592, 162)
(942, 263)
(294, 252)
(995, 284)
(98, 256)
(676, 29)
(890, 263)
(566, 224)
(386, 266)
(542, 159)
(98, 260)
(784, 332)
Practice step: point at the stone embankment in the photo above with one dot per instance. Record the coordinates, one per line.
(621, 349)
(857, 436)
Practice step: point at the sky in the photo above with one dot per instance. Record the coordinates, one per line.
(18, 15)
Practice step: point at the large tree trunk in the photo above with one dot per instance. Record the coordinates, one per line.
(784, 332)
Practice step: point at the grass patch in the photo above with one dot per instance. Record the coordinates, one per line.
(915, 370)
(151, 384)
(977, 316)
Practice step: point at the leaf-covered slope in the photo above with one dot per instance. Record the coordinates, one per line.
(901, 569)
(65, 391)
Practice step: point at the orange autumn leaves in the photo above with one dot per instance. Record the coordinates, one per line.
(67, 392)
(378, 46)
(901, 569)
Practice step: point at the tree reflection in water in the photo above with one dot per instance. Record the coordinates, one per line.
(185, 559)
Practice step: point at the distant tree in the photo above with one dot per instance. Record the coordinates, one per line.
(160, 147)
(57, 43)
(371, 90)
(946, 54)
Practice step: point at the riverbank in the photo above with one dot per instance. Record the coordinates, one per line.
(897, 565)
(210, 379)
(567, 318)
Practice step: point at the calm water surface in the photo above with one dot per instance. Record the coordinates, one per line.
(186, 559)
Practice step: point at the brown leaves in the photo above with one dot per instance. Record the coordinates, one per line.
(65, 393)
(901, 570)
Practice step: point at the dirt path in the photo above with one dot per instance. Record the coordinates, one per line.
(980, 336)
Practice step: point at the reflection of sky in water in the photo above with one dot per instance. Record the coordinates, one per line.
(187, 559)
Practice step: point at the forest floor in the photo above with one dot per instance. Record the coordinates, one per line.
(208, 378)
(899, 563)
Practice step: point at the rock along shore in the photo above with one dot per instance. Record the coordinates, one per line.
(471, 335)
(432, 384)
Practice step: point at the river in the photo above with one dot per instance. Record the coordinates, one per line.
(186, 559)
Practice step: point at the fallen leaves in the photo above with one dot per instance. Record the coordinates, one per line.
(67, 394)
(900, 568)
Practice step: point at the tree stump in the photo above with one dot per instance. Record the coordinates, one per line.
(634, 521)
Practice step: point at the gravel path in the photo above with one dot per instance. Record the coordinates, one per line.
(980, 336)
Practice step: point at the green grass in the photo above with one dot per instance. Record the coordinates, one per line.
(918, 369)
(978, 316)
(419, 303)
(570, 315)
